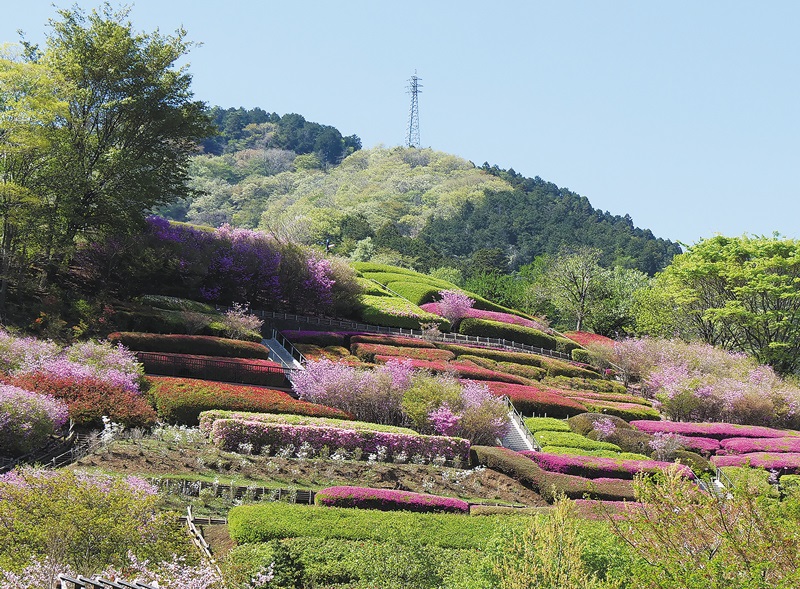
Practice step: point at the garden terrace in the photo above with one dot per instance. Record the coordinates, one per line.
(182, 400)
(785, 463)
(585, 338)
(750, 445)
(207, 419)
(199, 345)
(494, 316)
(465, 371)
(530, 400)
(599, 467)
(388, 500)
(367, 352)
(718, 431)
(238, 370)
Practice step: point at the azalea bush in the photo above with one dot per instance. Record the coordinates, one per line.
(390, 340)
(207, 419)
(27, 419)
(229, 434)
(88, 398)
(530, 400)
(240, 370)
(202, 345)
(748, 445)
(597, 467)
(498, 316)
(697, 382)
(783, 462)
(397, 312)
(368, 351)
(181, 400)
(388, 500)
(718, 431)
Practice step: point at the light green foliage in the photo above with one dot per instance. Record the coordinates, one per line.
(448, 274)
(551, 424)
(693, 539)
(82, 522)
(428, 393)
(261, 523)
(208, 417)
(572, 440)
(549, 554)
(741, 293)
(599, 453)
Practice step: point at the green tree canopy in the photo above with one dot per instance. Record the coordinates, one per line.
(741, 293)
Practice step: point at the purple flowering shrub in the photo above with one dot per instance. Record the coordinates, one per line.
(698, 382)
(604, 428)
(27, 419)
(228, 434)
(388, 500)
(454, 305)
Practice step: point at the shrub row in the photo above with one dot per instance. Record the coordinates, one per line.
(182, 400)
(332, 353)
(596, 385)
(786, 463)
(201, 345)
(530, 400)
(177, 304)
(573, 440)
(585, 338)
(557, 368)
(493, 316)
(750, 445)
(494, 354)
(530, 372)
(207, 419)
(606, 397)
(593, 467)
(228, 434)
(550, 424)
(395, 312)
(169, 322)
(549, 484)
(89, 399)
(700, 444)
(515, 333)
(390, 340)
(369, 287)
(244, 371)
(367, 352)
(416, 292)
(626, 411)
(269, 521)
(388, 500)
(595, 453)
(718, 431)
(319, 338)
(463, 370)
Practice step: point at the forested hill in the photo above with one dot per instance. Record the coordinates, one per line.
(413, 207)
(538, 217)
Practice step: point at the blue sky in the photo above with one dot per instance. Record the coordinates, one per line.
(683, 114)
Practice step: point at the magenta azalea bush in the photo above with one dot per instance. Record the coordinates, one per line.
(491, 316)
(454, 305)
(229, 434)
(786, 463)
(749, 445)
(388, 500)
(27, 419)
(593, 467)
(718, 431)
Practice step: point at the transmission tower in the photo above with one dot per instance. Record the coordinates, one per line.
(412, 139)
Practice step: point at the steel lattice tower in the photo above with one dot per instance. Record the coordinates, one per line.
(412, 139)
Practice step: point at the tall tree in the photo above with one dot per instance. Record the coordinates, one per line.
(574, 281)
(740, 293)
(29, 109)
(130, 127)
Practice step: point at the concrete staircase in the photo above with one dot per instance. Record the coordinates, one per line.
(519, 437)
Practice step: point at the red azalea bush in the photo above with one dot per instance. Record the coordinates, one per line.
(181, 400)
(201, 345)
(388, 500)
(239, 370)
(530, 400)
(585, 338)
(593, 467)
(718, 431)
(750, 445)
(367, 352)
(390, 340)
(787, 463)
(89, 399)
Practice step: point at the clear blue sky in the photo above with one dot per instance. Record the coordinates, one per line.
(683, 114)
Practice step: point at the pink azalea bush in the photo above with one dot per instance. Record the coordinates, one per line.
(27, 419)
(454, 305)
(229, 434)
(388, 500)
(786, 463)
(718, 431)
(593, 467)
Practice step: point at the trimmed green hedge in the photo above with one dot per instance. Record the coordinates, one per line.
(371, 288)
(531, 372)
(199, 345)
(367, 352)
(395, 312)
(390, 340)
(598, 453)
(597, 385)
(583, 424)
(268, 521)
(507, 331)
(572, 440)
(418, 293)
(566, 345)
(559, 368)
(549, 424)
(581, 355)
(496, 355)
(372, 267)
